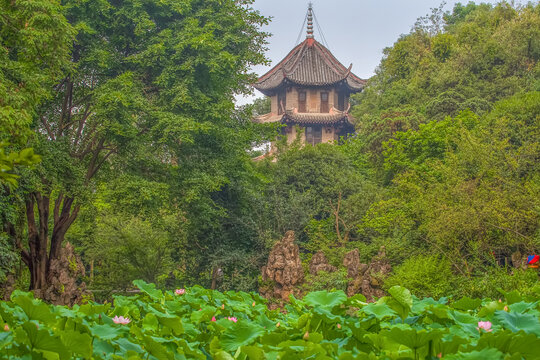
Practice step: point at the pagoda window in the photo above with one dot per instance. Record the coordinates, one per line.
(282, 102)
(302, 101)
(324, 102)
(341, 101)
(313, 135)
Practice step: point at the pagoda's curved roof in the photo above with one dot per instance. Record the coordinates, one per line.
(292, 116)
(309, 64)
(316, 119)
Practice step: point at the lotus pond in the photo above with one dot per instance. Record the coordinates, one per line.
(197, 323)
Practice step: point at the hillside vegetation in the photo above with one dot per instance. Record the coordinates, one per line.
(144, 162)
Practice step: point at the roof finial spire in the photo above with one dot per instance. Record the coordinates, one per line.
(310, 21)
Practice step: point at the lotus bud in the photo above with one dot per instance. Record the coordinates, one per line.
(339, 326)
(6, 327)
(179, 291)
(306, 335)
(277, 325)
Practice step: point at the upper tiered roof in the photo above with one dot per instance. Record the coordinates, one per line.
(309, 64)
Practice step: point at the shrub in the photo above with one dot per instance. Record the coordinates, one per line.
(425, 275)
(336, 280)
(488, 282)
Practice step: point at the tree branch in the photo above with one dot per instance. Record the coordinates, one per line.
(47, 128)
(101, 162)
(63, 115)
(82, 122)
(57, 203)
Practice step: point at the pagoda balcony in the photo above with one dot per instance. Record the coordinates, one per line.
(292, 116)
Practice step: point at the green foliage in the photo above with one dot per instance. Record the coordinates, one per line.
(261, 106)
(8, 162)
(325, 299)
(131, 108)
(35, 39)
(466, 188)
(128, 249)
(199, 323)
(309, 185)
(465, 59)
(141, 91)
(336, 280)
(426, 275)
(8, 257)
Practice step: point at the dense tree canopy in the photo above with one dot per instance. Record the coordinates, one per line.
(148, 92)
(146, 163)
(467, 59)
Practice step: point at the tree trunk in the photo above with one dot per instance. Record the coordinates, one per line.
(38, 261)
(215, 274)
(37, 240)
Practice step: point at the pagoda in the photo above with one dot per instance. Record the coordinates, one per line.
(309, 91)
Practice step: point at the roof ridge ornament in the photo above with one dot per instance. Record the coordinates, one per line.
(310, 21)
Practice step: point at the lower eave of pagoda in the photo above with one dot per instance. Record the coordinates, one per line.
(293, 117)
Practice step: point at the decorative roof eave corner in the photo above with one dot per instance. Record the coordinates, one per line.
(268, 118)
(348, 71)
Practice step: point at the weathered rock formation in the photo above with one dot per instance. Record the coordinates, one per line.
(64, 277)
(366, 279)
(519, 261)
(319, 262)
(355, 271)
(283, 274)
(379, 268)
(351, 261)
(283, 271)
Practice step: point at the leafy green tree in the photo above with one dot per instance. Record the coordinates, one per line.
(429, 276)
(124, 250)
(36, 39)
(465, 59)
(467, 188)
(145, 75)
(36, 42)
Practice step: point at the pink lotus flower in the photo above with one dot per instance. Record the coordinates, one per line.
(213, 318)
(121, 320)
(485, 325)
(6, 327)
(339, 326)
(253, 304)
(232, 318)
(180, 291)
(222, 306)
(505, 308)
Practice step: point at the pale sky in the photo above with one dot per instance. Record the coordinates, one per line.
(356, 31)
